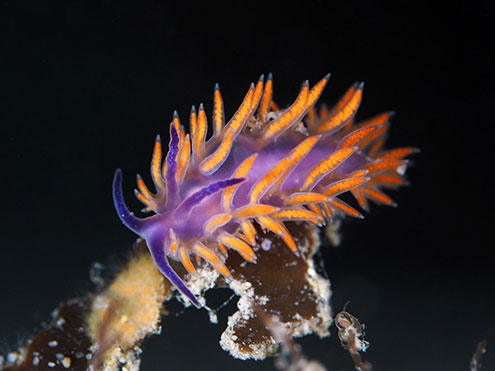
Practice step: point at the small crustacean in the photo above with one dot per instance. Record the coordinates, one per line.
(351, 332)
(351, 335)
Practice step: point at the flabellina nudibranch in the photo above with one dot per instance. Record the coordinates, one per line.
(266, 165)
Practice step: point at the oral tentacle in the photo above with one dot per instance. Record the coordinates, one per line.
(132, 222)
(157, 249)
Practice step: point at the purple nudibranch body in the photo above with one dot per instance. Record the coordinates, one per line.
(266, 166)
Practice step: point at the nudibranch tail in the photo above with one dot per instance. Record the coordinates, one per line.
(266, 165)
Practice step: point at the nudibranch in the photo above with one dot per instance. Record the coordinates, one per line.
(267, 166)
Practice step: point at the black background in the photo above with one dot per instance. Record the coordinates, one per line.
(86, 86)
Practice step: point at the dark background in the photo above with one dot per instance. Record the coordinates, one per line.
(86, 86)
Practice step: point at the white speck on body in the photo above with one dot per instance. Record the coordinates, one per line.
(401, 170)
(53, 343)
(51, 364)
(266, 244)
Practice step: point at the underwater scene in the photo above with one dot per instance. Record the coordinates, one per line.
(248, 186)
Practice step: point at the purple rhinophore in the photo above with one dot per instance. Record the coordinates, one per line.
(172, 189)
(197, 197)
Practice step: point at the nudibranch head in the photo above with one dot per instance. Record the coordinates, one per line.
(266, 165)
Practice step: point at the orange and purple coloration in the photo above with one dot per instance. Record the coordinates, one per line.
(267, 165)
